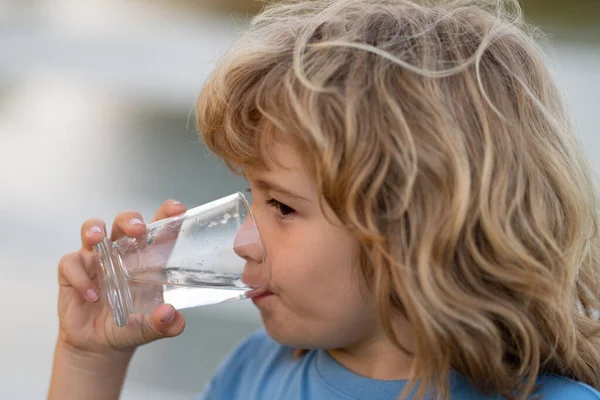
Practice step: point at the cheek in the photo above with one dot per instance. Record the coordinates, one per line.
(313, 265)
(294, 259)
(315, 272)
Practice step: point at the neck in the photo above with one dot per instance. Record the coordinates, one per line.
(376, 359)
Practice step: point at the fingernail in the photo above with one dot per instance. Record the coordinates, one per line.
(94, 229)
(136, 221)
(168, 317)
(174, 202)
(92, 295)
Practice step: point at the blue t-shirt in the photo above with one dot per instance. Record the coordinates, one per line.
(261, 369)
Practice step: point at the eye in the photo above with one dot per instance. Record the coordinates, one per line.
(284, 210)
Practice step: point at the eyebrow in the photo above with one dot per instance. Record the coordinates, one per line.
(264, 184)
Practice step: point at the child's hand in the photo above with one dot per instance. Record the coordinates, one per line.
(86, 320)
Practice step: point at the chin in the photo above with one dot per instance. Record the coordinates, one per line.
(288, 334)
(283, 333)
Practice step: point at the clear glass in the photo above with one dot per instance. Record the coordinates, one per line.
(211, 254)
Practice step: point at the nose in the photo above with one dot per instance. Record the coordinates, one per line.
(247, 245)
(247, 242)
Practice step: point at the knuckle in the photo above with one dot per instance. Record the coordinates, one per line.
(149, 331)
(66, 260)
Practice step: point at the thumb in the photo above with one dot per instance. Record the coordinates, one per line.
(164, 322)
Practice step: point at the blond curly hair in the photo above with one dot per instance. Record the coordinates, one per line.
(438, 136)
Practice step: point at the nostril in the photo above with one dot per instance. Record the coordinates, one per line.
(243, 252)
(254, 275)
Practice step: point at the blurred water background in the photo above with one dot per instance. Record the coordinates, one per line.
(96, 100)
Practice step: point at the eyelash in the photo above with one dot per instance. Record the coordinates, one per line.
(278, 205)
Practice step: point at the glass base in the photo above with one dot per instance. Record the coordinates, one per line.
(114, 283)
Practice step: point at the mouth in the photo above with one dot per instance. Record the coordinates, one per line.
(258, 295)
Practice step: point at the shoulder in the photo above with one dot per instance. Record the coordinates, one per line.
(554, 387)
(254, 358)
(548, 387)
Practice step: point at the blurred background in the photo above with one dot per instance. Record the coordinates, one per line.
(96, 100)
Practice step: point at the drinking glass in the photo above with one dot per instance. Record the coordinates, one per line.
(210, 254)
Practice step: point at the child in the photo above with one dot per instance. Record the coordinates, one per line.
(429, 219)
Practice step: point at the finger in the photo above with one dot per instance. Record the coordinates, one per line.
(93, 231)
(90, 264)
(166, 234)
(71, 272)
(168, 209)
(128, 223)
(164, 322)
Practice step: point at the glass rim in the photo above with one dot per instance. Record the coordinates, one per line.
(256, 226)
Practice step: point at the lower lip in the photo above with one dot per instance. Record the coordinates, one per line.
(260, 298)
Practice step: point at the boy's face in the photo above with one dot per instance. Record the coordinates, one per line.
(313, 263)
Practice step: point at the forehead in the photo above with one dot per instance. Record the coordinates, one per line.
(279, 156)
